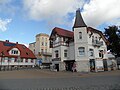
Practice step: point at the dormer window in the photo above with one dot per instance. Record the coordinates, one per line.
(14, 52)
(80, 35)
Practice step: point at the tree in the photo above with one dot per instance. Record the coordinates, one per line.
(112, 33)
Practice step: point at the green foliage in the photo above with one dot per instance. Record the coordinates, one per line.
(112, 33)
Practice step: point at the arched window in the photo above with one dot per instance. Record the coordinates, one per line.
(80, 35)
(81, 51)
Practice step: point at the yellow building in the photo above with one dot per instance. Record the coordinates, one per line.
(41, 48)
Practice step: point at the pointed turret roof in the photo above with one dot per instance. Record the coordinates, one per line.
(79, 22)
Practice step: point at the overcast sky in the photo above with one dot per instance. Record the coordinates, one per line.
(21, 20)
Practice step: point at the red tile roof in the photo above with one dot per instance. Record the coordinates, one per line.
(6, 46)
(62, 32)
(70, 34)
(99, 32)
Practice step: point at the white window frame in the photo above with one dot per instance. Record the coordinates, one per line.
(81, 51)
(80, 35)
(91, 52)
(65, 53)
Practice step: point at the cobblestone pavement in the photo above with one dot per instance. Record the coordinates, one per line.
(47, 80)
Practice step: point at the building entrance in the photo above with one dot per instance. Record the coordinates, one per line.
(57, 67)
(69, 65)
(105, 65)
(92, 65)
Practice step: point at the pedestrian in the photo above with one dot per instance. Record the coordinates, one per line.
(74, 67)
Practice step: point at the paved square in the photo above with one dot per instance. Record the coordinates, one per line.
(48, 80)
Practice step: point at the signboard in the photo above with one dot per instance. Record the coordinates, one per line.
(99, 65)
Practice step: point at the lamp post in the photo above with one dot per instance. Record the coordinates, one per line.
(2, 55)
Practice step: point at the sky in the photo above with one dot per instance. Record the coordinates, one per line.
(21, 20)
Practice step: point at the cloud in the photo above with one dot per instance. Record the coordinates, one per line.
(97, 12)
(8, 7)
(53, 11)
(4, 23)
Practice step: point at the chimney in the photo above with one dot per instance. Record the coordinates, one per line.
(16, 42)
(7, 40)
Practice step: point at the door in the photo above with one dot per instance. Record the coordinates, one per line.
(57, 67)
(105, 65)
(92, 65)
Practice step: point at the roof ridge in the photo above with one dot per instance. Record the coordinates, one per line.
(64, 29)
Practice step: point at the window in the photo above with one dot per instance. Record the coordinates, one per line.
(46, 44)
(101, 53)
(31, 60)
(26, 60)
(45, 50)
(42, 38)
(92, 39)
(80, 35)
(14, 52)
(21, 60)
(37, 39)
(6, 58)
(96, 40)
(42, 43)
(41, 50)
(65, 53)
(81, 51)
(91, 52)
(56, 54)
(15, 60)
(46, 39)
(3, 59)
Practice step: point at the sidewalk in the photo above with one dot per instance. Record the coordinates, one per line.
(39, 73)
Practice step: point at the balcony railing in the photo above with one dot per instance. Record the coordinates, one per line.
(45, 53)
(97, 43)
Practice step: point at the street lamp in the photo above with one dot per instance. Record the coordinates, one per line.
(2, 55)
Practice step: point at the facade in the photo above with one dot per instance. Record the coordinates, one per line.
(111, 63)
(41, 48)
(14, 55)
(83, 49)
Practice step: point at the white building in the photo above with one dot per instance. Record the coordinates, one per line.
(14, 55)
(82, 49)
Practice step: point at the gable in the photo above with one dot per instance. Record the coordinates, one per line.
(14, 51)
